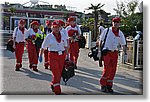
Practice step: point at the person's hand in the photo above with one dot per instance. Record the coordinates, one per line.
(14, 46)
(125, 57)
(99, 54)
(97, 42)
(40, 59)
(67, 57)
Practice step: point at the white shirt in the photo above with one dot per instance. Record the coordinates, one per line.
(75, 28)
(31, 32)
(112, 41)
(52, 45)
(101, 28)
(20, 37)
(65, 33)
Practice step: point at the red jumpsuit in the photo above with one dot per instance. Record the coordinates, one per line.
(110, 65)
(56, 65)
(19, 50)
(46, 62)
(113, 39)
(74, 46)
(32, 54)
(56, 46)
(19, 45)
(33, 51)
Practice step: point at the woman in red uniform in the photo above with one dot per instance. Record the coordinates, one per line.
(19, 41)
(33, 50)
(74, 33)
(57, 47)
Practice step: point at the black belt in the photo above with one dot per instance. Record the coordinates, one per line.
(110, 50)
(56, 51)
(19, 42)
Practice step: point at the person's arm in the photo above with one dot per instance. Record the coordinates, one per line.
(44, 46)
(124, 49)
(41, 52)
(14, 37)
(14, 40)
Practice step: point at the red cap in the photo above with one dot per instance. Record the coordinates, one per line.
(61, 22)
(56, 23)
(116, 19)
(22, 21)
(35, 23)
(71, 19)
(48, 22)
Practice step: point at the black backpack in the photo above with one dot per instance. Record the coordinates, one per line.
(68, 70)
(82, 42)
(10, 45)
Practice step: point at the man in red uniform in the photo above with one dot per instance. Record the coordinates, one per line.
(19, 41)
(74, 33)
(33, 50)
(113, 39)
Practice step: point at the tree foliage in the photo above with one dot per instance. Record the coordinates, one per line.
(131, 21)
(95, 10)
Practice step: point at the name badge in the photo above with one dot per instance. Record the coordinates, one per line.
(59, 52)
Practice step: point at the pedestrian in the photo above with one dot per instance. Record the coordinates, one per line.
(57, 48)
(18, 44)
(110, 58)
(33, 50)
(74, 33)
(47, 30)
(63, 30)
(101, 29)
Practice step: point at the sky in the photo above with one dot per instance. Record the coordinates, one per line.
(80, 5)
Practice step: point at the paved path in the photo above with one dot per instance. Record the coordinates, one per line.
(85, 82)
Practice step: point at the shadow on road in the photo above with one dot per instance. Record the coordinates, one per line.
(37, 75)
(88, 80)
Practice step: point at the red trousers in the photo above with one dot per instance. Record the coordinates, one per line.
(33, 53)
(56, 65)
(110, 66)
(19, 50)
(46, 62)
(74, 51)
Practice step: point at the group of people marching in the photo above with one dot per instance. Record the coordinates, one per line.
(61, 43)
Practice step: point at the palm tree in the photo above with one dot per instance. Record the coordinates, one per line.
(96, 9)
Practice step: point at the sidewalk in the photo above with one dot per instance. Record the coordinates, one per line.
(85, 82)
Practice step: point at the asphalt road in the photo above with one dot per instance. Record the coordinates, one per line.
(85, 82)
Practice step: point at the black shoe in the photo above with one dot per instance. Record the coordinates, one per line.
(75, 67)
(52, 87)
(46, 67)
(20, 65)
(17, 69)
(104, 88)
(35, 69)
(109, 89)
(30, 66)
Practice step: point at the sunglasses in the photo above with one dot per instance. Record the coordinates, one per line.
(116, 21)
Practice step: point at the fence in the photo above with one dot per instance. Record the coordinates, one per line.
(134, 54)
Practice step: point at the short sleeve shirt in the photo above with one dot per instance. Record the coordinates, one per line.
(51, 43)
(112, 41)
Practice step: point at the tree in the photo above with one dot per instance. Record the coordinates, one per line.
(95, 9)
(130, 19)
